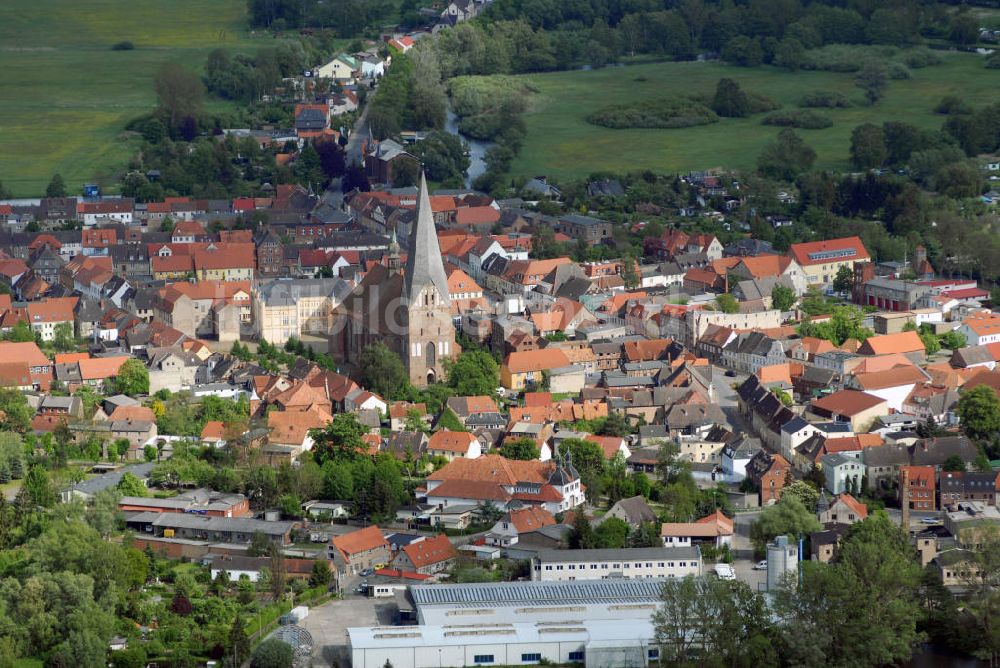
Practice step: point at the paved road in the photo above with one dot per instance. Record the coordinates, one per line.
(725, 396)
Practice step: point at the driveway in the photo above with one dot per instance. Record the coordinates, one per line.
(328, 625)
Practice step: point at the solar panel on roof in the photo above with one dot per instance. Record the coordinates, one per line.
(538, 592)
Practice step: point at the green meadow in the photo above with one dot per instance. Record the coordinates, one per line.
(65, 96)
(562, 145)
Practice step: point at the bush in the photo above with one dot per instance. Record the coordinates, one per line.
(486, 106)
(123, 46)
(807, 120)
(825, 98)
(665, 113)
(993, 62)
(918, 58)
(272, 653)
(759, 103)
(899, 71)
(952, 104)
(844, 57)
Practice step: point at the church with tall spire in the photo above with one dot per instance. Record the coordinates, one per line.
(406, 308)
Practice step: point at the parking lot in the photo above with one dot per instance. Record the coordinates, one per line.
(328, 625)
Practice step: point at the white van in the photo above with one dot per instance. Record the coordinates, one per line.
(725, 572)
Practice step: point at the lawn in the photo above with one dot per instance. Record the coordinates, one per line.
(562, 145)
(67, 96)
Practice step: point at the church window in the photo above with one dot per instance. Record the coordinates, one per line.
(431, 354)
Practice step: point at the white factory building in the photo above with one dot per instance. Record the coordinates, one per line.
(632, 563)
(599, 623)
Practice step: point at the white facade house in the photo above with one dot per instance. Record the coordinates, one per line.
(843, 473)
(735, 456)
(632, 563)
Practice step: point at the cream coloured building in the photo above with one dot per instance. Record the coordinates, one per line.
(284, 308)
(630, 563)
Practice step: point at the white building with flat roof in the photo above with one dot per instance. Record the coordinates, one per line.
(633, 563)
(595, 644)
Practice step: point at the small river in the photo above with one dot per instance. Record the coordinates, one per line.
(932, 656)
(477, 149)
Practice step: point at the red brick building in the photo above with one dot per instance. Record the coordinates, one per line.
(922, 487)
(768, 472)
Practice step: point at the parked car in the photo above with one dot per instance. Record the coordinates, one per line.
(368, 571)
(760, 565)
(930, 520)
(730, 373)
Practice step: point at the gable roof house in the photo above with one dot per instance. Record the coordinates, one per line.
(634, 511)
(453, 445)
(515, 523)
(844, 509)
(902, 343)
(355, 551)
(854, 406)
(820, 260)
(551, 485)
(428, 556)
(893, 385)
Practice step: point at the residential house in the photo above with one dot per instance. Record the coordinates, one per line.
(515, 523)
(980, 329)
(501, 481)
(428, 556)
(584, 228)
(844, 509)
(716, 529)
(894, 385)
(521, 369)
(843, 473)
(359, 550)
(453, 445)
(920, 483)
(768, 473)
(906, 343)
(821, 260)
(860, 409)
(343, 68)
(956, 487)
(634, 511)
(18, 359)
(736, 455)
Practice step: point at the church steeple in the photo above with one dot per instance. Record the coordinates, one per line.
(394, 259)
(424, 265)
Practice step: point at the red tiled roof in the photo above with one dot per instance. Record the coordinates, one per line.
(369, 538)
(860, 509)
(430, 551)
(451, 441)
(99, 368)
(847, 402)
(213, 429)
(226, 256)
(535, 360)
(28, 352)
(15, 374)
(477, 215)
(610, 445)
(827, 250)
(531, 518)
(901, 342)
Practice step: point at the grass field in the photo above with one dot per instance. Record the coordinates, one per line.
(66, 95)
(562, 145)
